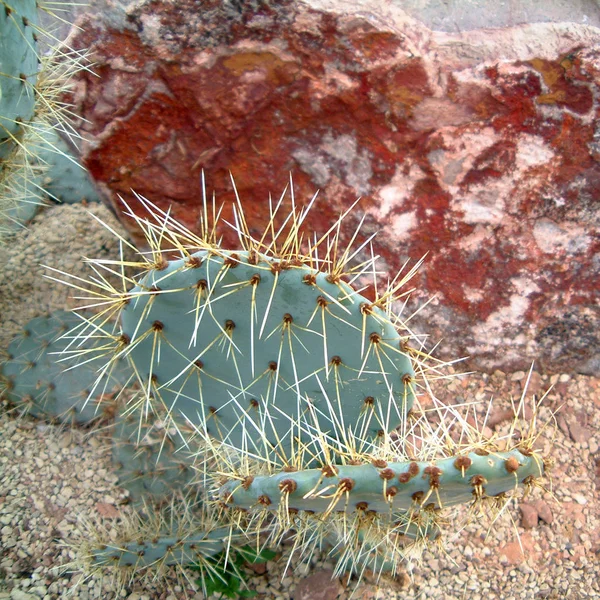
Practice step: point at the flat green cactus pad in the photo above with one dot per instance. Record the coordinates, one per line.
(38, 382)
(259, 350)
(18, 69)
(61, 177)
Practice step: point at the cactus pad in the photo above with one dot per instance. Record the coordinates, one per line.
(234, 339)
(18, 70)
(151, 461)
(385, 487)
(37, 382)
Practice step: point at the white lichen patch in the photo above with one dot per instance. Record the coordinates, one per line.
(568, 238)
(532, 151)
(398, 191)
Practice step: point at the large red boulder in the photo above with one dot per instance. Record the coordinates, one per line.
(480, 148)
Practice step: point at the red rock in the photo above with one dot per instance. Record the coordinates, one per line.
(519, 551)
(535, 383)
(487, 159)
(258, 568)
(544, 511)
(578, 433)
(563, 425)
(498, 416)
(529, 515)
(108, 511)
(319, 585)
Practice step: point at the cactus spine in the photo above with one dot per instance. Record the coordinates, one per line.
(32, 111)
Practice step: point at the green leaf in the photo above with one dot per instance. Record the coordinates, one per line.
(227, 580)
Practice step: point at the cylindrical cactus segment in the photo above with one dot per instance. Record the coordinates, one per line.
(181, 532)
(264, 351)
(163, 549)
(401, 486)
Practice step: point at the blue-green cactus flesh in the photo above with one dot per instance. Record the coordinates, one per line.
(241, 343)
(387, 486)
(152, 461)
(40, 382)
(18, 70)
(61, 177)
(164, 549)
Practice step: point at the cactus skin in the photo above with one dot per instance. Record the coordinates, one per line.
(149, 539)
(61, 177)
(52, 174)
(392, 486)
(151, 462)
(18, 70)
(31, 113)
(166, 549)
(233, 337)
(37, 383)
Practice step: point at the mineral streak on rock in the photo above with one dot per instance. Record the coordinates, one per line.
(480, 148)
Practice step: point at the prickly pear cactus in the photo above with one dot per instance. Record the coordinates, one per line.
(382, 486)
(32, 110)
(309, 399)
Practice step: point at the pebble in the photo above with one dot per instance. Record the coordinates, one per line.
(20, 595)
(544, 511)
(529, 515)
(319, 585)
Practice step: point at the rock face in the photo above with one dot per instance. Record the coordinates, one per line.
(480, 148)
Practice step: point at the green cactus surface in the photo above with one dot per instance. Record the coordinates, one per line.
(18, 70)
(62, 178)
(163, 548)
(240, 342)
(35, 164)
(40, 382)
(385, 487)
(149, 539)
(152, 462)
